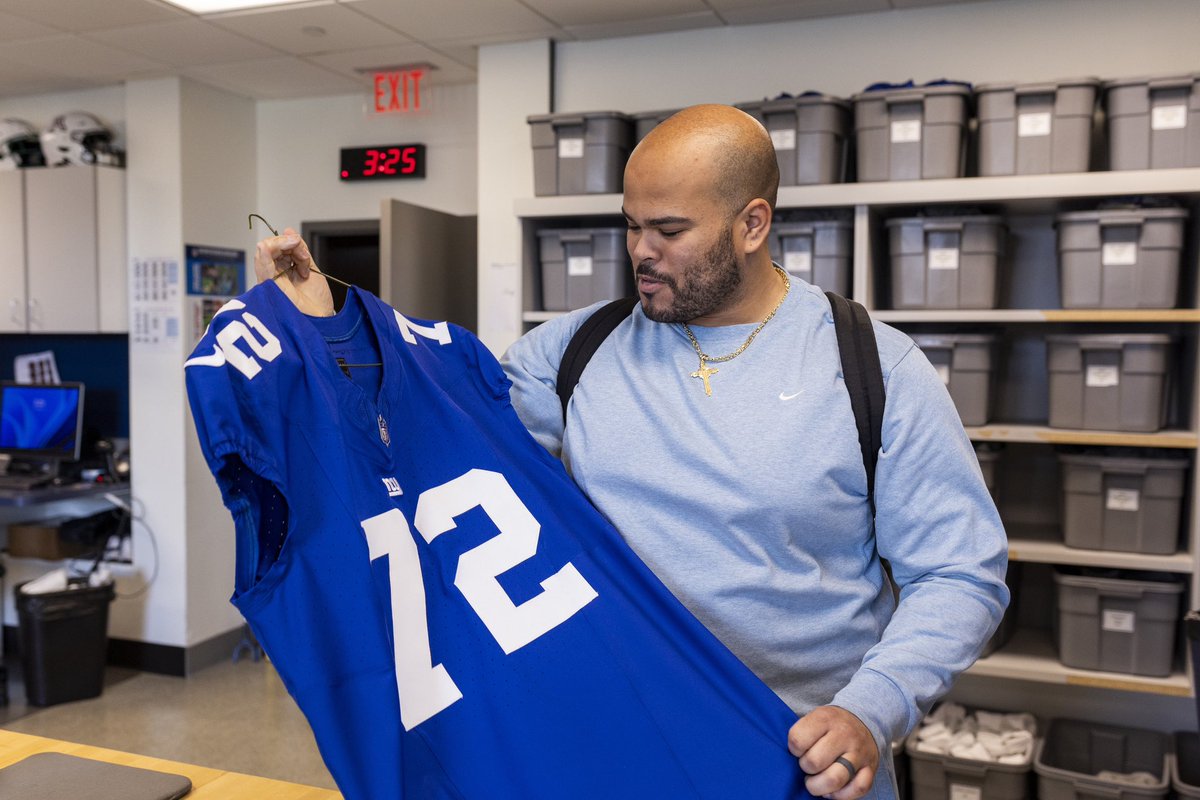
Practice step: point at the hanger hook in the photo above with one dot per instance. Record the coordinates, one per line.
(250, 222)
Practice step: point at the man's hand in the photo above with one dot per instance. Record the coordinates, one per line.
(820, 738)
(302, 282)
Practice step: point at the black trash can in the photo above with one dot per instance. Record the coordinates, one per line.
(1193, 632)
(64, 640)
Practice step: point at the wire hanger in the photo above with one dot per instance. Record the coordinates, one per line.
(341, 362)
(287, 269)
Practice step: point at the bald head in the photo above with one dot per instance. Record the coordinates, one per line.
(729, 145)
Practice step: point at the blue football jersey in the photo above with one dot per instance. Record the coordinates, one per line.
(450, 613)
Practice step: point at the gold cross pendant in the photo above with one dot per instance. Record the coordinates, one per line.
(704, 373)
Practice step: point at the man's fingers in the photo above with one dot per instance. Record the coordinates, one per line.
(849, 790)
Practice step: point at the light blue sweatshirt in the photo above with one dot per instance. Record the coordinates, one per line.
(750, 505)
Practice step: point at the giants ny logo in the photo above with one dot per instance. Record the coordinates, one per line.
(393, 487)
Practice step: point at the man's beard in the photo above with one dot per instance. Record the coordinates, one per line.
(702, 287)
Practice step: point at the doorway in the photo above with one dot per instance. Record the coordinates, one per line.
(349, 249)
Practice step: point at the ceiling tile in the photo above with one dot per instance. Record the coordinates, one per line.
(349, 62)
(457, 19)
(569, 13)
(75, 56)
(920, 3)
(84, 15)
(681, 22)
(20, 78)
(287, 76)
(13, 27)
(185, 42)
(284, 28)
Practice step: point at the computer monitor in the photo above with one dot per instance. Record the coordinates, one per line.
(41, 422)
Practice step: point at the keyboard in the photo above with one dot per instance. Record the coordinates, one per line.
(23, 483)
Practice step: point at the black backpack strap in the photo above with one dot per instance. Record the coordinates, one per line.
(583, 345)
(864, 379)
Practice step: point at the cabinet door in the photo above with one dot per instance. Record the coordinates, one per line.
(113, 275)
(12, 252)
(60, 204)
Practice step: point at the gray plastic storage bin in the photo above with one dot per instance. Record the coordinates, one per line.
(1068, 759)
(988, 455)
(809, 133)
(1153, 123)
(1120, 258)
(1127, 504)
(818, 252)
(1117, 624)
(1035, 128)
(907, 134)
(1191, 624)
(964, 362)
(944, 262)
(581, 266)
(1185, 767)
(945, 777)
(1008, 623)
(579, 153)
(1115, 382)
(646, 121)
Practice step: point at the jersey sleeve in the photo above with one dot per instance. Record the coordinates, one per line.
(233, 399)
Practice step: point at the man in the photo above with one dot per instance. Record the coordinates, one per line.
(712, 428)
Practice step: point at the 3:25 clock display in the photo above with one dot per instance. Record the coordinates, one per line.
(383, 162)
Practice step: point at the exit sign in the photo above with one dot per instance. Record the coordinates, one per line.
(398, 91)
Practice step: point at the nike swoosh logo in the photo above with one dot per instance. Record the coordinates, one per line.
(783, 396)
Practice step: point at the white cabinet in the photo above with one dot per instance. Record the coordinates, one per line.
(12, 252)
(1031, 311)
(75, 250)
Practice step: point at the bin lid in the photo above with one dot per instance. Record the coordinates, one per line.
(1038, 86)
(800, 226)
(1181, 79)
(974, 219)
(881, 90)
(1117, 463)
(580, 232)
(1100, 215)
(924, 340)
(1109, 340)
(655, 114)
(1145, 581)
(576, 115)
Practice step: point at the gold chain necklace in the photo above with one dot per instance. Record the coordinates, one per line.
(705, 372)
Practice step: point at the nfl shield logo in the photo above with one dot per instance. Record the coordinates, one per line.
(383, 431)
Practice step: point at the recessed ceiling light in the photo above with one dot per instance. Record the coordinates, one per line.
(216, 6)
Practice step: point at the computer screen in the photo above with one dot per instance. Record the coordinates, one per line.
(41, 421)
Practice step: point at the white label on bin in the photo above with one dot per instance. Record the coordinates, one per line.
(1118, 621)
(960, 791)
(1036, 124)
(906, 130)
(1119, 254)
(1102, 375)
(578, 266)
(1167, 118)
(943, 258)
(797, 261)
(1122, 500)
(943, 371)
(570, 148)
(784, 138)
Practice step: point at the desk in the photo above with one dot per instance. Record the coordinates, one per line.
(53, 494)
(207, 783)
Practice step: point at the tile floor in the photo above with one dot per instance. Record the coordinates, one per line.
(228, 716)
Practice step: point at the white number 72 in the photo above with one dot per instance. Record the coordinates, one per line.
(426, 688)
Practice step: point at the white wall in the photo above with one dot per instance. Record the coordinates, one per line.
(297, 155)
(218, 154)
(1003, 40)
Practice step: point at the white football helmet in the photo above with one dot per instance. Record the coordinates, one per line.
(19, 145)
(78, 138)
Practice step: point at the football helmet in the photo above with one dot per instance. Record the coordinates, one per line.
(79, 138)
(19, 145)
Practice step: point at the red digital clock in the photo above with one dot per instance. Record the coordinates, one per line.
(383, 162)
